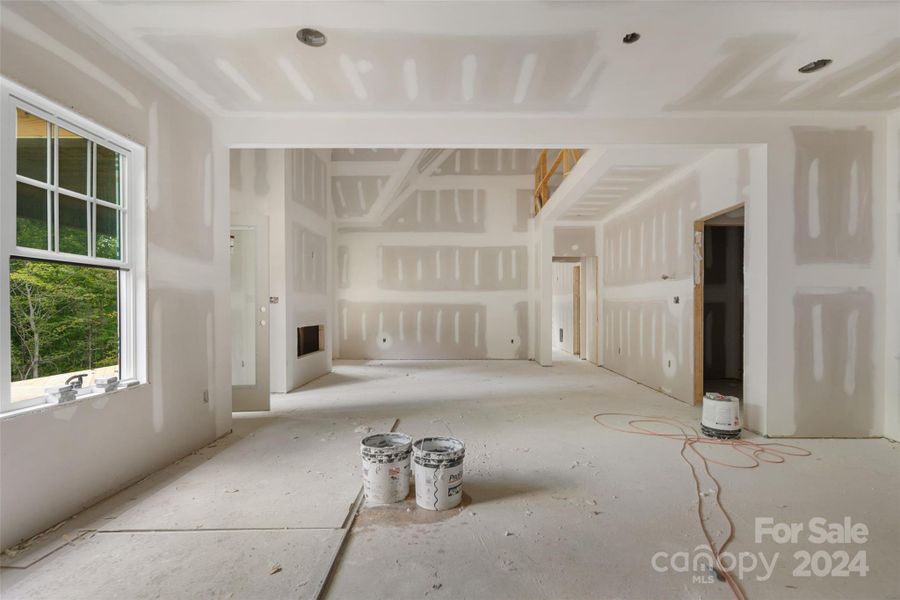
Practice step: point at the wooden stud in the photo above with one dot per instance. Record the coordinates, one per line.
(698, 315)
(567, 157)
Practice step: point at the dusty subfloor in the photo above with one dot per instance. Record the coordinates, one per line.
(555, 505)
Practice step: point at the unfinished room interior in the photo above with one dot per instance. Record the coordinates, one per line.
(469, 300)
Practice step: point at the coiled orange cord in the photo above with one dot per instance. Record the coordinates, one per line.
(756, 453)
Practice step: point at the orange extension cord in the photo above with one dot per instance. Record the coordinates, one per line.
(755, 454)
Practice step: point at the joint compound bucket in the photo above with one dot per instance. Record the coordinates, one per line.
(439, 472)
(385, 466)
(721, 416)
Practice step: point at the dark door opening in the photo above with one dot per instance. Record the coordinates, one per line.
(723, 304)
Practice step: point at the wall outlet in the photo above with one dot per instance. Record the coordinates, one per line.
(205, 396)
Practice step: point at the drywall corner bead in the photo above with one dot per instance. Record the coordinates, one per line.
(834, 362)
(833, 195)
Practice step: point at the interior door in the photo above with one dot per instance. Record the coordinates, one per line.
(249, 314)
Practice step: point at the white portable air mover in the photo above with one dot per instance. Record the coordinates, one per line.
(721, 416)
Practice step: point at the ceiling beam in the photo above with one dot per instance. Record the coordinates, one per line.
(587, 171)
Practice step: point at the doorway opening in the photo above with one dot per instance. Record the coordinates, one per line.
(719, 304)
(567, 306)
(249, 314)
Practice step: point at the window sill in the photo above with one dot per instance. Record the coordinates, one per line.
(47, 407)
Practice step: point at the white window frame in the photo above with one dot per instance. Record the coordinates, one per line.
(132, 264)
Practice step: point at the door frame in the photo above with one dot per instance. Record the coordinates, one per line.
(597, 329)
(576, 310)
(255, 397)
(699, 249)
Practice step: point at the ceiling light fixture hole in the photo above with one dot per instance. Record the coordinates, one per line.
(631, 38)
(312, 37)
(815, 65)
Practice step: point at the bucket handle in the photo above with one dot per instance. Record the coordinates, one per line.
(438, 475)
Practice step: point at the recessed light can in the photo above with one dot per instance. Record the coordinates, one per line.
(312, 37)
(815, 65)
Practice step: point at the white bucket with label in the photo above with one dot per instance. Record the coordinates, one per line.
(721, 416)
(385, 466)
(438, 466)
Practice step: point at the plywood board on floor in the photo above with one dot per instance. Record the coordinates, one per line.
(96, 516)
(183, 564)
(284, 472)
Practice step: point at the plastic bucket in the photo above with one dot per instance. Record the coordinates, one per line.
(721, 416)
(438, 466)
(385, 466)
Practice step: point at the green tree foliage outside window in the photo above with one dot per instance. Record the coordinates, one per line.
(64, 318)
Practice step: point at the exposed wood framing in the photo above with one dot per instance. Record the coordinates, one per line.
(567, 157)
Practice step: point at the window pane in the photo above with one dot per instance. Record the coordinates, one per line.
(73, 218)
(31, 216)
(31, 146)
(109, 237)
(73, 161)
(78, 331)
(109, 175)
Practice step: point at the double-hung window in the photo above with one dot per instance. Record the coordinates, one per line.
(72, 232)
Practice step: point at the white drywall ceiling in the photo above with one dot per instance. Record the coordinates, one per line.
(625, 173)
(242, 58)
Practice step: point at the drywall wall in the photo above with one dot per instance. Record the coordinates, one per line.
(563, 306)
(648, 279)
(774, 274)
(290, 189)
(57, 460)
(446, 274)
(837, 383)
(308, 235)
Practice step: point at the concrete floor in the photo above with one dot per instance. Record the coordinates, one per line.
(555, 505)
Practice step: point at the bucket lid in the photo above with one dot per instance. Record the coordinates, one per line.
(439, 448)
(386, 443)
(720, 397)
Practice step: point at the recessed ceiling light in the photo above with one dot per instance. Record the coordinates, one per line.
(815, 65)
(631, 38)
(312, 37)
